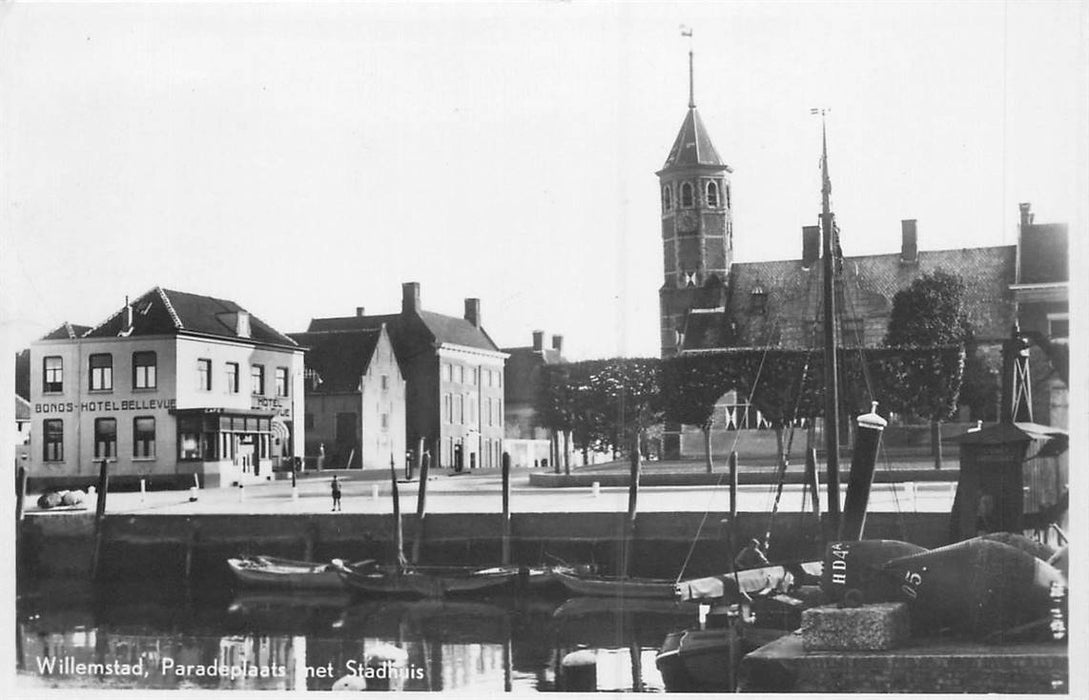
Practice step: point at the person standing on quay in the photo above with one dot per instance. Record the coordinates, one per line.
(336, 494)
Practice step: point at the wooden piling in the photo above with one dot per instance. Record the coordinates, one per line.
(506, 513)
(100, 516)
(398, 532)
(812, 480)
(733, 485)
(20, 502)
(421, 507)
(633, 500)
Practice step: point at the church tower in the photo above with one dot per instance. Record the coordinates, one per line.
(697, 226)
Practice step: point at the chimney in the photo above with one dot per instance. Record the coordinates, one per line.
(1027, 217)
(128, 313)
(242, 327)
(909, 247)
(811, 245)
(360, 312)
(557, 343)
(410, 298)
(538, 341)
(472, 312)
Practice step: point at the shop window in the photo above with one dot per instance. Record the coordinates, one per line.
(143, 437)
(144, 370)
(281, 381)
(204, 375)
(101, 366)
(105, 438)
(188, 446)
(712, 194)
(257, 379)
(1058, 326)
(232, 377)
(53, 441)
(686, 194)
(52, 375)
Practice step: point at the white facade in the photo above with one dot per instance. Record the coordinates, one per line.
(163, 408)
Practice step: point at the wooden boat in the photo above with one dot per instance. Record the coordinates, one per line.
(620, 587)
(273, 572)
(424, 581)
(696, 660)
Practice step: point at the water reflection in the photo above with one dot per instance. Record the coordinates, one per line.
(278, 642)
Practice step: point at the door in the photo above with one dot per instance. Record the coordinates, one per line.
(347, 441)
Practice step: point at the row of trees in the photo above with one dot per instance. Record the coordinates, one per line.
(605, 404)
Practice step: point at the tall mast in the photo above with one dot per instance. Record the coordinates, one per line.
(831, 372)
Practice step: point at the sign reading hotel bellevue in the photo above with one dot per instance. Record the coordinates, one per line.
(265, 404)
(107, 405)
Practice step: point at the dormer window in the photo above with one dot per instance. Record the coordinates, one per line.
(758, 300)
(667, 198)
(712, 194)
(686, 194)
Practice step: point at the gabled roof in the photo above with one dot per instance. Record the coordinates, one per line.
(165, 312)
(66, 331)
(437, 328)
(22, 408)
(692, 146)
(339, 359)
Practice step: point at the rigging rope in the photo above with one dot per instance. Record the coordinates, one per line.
(707, 510)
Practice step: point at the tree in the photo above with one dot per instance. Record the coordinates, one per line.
(928, 313)
(692, 385)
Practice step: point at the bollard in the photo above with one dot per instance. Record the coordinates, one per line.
(595, 489)
(192, 494)
(374, 492)
(143, 491)
(579, 671)
(196, 481)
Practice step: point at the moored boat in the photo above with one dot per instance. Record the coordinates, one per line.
(621, 587)
(273, 572)
(424, 581)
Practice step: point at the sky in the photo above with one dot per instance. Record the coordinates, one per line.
(306, 159)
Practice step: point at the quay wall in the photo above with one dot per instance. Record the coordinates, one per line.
(138, 547)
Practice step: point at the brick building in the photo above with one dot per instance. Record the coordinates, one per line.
(355, 398)
(170, 386)
(454, 378)
(527, 442)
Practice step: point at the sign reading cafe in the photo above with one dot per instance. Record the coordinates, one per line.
(112, 406)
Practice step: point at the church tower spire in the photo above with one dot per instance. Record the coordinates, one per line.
(697, 224)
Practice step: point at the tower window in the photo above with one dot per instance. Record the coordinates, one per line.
(712, 194)
(686, 194)
(667, 198)
(727, 196)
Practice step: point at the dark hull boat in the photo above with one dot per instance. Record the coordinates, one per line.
(425, 581)
(695, 660)
(272, 572)
(618, 587)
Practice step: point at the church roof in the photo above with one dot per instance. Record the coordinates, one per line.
(339, 359)
(166, 312)
(693, 147)
(777, 302)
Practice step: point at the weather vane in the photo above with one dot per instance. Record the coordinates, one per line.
(687, 31)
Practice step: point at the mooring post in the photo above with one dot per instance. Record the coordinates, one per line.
(812, 480)
(506, 512)
(421, 506)
(733, 485)
(20, 483)
(633, 499)
(398, 532)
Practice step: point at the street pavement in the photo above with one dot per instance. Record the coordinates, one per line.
(481, 492)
